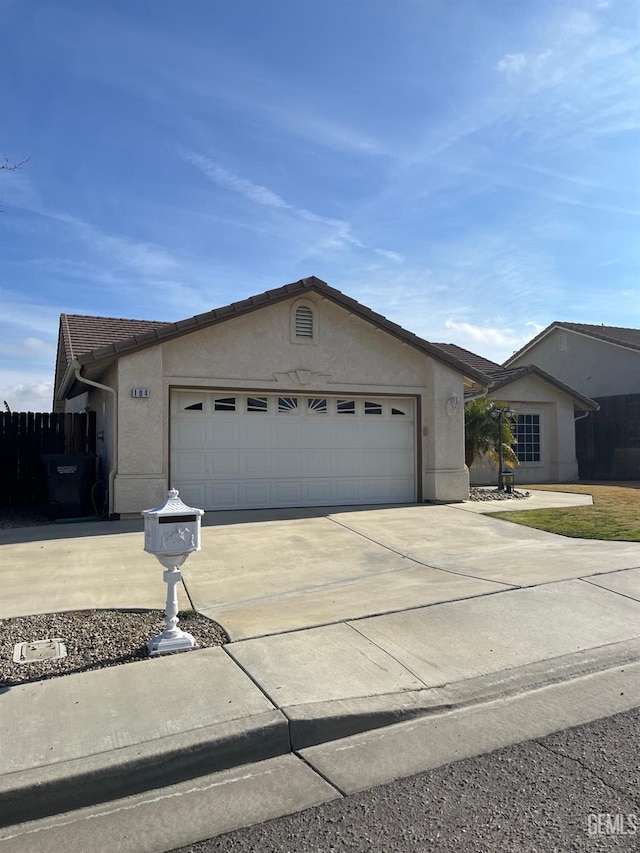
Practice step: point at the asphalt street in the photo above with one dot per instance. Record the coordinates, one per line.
(577, 790)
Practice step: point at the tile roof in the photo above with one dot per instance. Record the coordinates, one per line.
(96, 340)
(477, 361)
(617, 335)
(82, 334)
(502, 376)
(612, 334)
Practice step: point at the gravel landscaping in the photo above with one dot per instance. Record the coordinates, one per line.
(486, 493)
(93, 639)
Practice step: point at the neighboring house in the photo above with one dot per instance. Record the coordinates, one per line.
(602, 362)
(299, 396)
(546, 411)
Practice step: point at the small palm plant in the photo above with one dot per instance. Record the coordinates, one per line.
(484, 431)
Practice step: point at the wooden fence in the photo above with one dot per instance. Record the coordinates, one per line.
(608, 441)
(25, 437)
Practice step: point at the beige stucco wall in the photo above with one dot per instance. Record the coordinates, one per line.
(445, 476)
(592, 367)
(255, 351)
(531, 395)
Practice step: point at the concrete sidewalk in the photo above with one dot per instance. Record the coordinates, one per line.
(72, 742)
(370, 644)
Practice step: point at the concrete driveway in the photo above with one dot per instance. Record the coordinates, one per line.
(259, 575)
(266, 572)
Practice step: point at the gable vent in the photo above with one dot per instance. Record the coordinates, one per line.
(304, 322)
(562, 341)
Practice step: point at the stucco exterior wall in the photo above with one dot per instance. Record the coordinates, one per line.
(593, 367)
(531, 395)
(445, 476)
(141, 481)
(256, 352)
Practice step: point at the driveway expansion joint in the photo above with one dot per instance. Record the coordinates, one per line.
(414, 559)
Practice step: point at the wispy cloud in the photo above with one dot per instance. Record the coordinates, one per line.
(333, 233)
(144, 258)
(517, 63)
(492, 338)
(225, 178)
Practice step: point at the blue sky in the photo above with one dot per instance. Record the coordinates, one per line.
(470, 169)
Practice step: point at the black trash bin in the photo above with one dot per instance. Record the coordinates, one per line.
(69, 482)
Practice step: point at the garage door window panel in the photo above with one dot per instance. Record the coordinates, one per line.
(317, 405)
(346, 407)
(372, 408)
(224, 404)
(191, 401)
(288, 405)
(257, 404)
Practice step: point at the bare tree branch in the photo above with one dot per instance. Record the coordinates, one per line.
(7, 166)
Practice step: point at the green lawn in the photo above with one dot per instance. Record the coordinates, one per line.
(614, 516)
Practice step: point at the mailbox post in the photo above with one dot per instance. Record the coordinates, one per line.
(171, 533)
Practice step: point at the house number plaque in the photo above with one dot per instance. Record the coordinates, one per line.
(139, 392)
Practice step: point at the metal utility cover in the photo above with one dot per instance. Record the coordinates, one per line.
(39, 650)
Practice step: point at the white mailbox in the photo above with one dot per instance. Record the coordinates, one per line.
(171, 533)
(172, 528)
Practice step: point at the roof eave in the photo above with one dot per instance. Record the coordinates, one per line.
(584, 403)
(103, 356)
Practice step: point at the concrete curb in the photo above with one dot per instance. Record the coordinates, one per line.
(43, 791)
(68, 785)
(321, 722)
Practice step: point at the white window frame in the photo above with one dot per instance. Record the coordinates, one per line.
(538, 462)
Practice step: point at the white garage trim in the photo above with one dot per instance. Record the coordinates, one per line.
(237, 450)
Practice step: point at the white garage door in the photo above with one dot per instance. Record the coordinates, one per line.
(233, 450)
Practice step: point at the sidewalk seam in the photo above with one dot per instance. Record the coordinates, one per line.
(389, 654)
(256, 683)
(606, 589)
